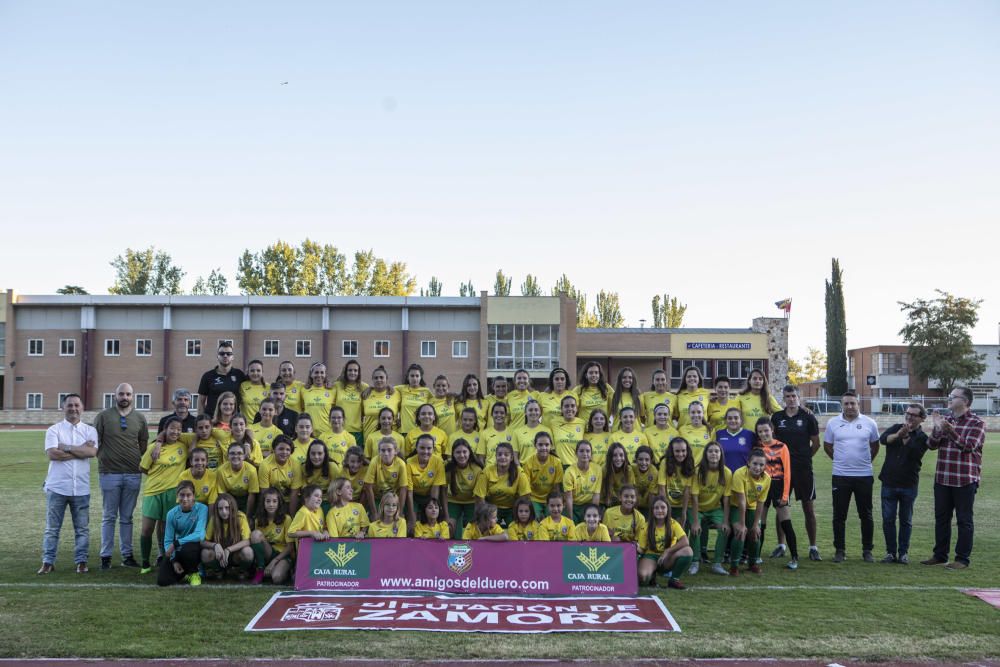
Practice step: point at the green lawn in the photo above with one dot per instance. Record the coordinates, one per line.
(859, 610)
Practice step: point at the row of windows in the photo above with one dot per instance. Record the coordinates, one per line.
(36, 401)
(272, 348)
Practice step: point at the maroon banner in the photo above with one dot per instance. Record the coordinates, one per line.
(442, 566)
(988, 595)
(443, 613)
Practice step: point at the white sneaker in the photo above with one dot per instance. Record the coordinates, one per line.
(793, 564)
(718, 568)
(694, 568)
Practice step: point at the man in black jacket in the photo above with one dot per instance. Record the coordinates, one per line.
(905, 445)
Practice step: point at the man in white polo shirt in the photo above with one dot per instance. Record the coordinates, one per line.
(70, 445)
(851, 440)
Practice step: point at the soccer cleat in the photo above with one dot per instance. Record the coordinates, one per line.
(793, 564)
(675, 583)
(889, 558)
(718, 568)
(759, 561)
(840, 556)
(779, 551)
(258, 577)
(694, 568)
(734, 571)
(195, 579)
(814, 553)
(755, 569)
(867, 557)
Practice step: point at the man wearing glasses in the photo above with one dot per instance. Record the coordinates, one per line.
(905, 445)
(958, 440)
(219, 380)
(122, 434)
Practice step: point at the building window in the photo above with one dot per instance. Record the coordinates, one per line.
(737, 370)
(194, 403)
(67, 348)
(303, 348)
(62, 398)
(36, 347)
(349, 348)
(34, 401)
(532, 347)
(193, 347)
(225, 342)
(381, 348)
(428, 348)
(850, 365)
(892, 363)
(109, 401)
(678, 366)
(112, 347)
(143, 347)
(459, 349)
(142, 401)
(272, 348)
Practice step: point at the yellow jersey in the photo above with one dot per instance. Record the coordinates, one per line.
(371, 443)
(584, 485)
(237, 483)
(582, 534)
(698, 438)
(472, 438)
(440, 441)
(348, 398)
(497, 489)
(612, 487)
(550, 530)
(264, 437)
(565, 435)
(446, 415)
(590, 399)
(276, 534)
(717, 412)
(659, 440)
(543, 476)
(480, 406)
(650, 399)
(712, 491)
(410, 400)
(439, 531)
(349, 521)
(318, 477)
(625, 401)
(600, 443)
(293, 396)
(551, 403)
(464, 492)
(392, 477)
(211, 534)
(165, 472)
(630, 441)
(251, 396)
(646, 484)
(489, 439)
(380, 530)
(684, 401)
(338, 444)
(524, 439)
(308, 520)
(357, 479)
(277, 475)
(316, 402)
(626, 527)
(753, 489)
(660, 538)
(472, 532)
(676, 484)
(523, 532)
(205, 489)
(516, 400)
(371, 406)
(752, 408)
(422, 480)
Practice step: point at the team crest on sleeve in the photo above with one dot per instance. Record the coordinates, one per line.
(459, 558)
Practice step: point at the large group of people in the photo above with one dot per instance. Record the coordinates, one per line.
(265, 464)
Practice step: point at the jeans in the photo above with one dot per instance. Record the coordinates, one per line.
(55, 511)
(957, 500)
(861, 489)
(901, 497)
(119, 493)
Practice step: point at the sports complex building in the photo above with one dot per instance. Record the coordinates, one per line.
(87, 344)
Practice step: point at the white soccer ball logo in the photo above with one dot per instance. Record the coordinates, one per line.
(460, 562)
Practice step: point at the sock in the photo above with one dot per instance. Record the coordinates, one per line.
(680, 567)
(145, 548)
(260, 558)
(786, 526)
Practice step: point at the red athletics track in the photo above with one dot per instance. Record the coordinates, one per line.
(320, 662)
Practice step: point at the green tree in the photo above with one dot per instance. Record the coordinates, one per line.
(433, 288)
(584, 318)
(501, 287)
(311, 269)
(390, 280)
(467, 289)
(836, 332)
(216, 284)
(608, 311)
(71, 289)
(146, 272)
(530, 286)
(668, 311)
(812, 367)
(937, 332)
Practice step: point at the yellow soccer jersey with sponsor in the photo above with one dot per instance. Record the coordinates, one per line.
(439, 531)
(410, 399)
(630, 441)
(446, 415)
(524, 439)
(497, 489)
(646, 484)
(205, 489)
(489, 439)
(316, 402)
(565, 435)
(698, 438)
(338, 444)
(237, 483)
(251, 396)
(543, 476)
(440, 441)
(582, 534)
(165, 472)
(625, 526)
(307, 519)
(585, 485)
(392, 477)
(552, 405)
(527, 532)
(264, 437)
(717, 412)
(276, 534)
(371, 444)
(464, 492)
(684, 401)
(372, 405)
(380, 530)
(348, 520)
(516, 400)
(472, 532)
(675, 485)
(590, 399)
(293, 396)
(423, 479)
(348, 398)
(752, 408)
(211, 534)
(660, 538)
(753, 489)
(550, 530)
(480, 406)
(712, 490)
(277, 475)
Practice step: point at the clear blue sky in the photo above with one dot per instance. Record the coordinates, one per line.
(722, 152)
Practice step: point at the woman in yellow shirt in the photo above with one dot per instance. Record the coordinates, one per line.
(387, 473)
(660, 432)
(355, 470)
(560, 385)
(677, 478)
(375, 399)
(240, 434)
(338, 440)
(567, 431)
(555, 527)
(517, 400)
(495, 434)
(426, 472)
(664, 547)
(253, 390)
(430, 526)
(617, 473)
(625, 523)
(444, 404)
(348, 391)
(659, 393)
(471, 398)
(751, 486)
(386, 423)
(279, 470)
(412, 395)
(628, 433)
(389, 524)
(269, 540)
(502, 483)
(691, 391)
(317, 400)
(544, 471)
(697, 433)
(498, 394)
(626, 393)
(646, 476)
(593, 390)
(581, 482)
(349, 518)
(598, 434)
(426, 426)
(461, 474)
(163, 463)
(484, 525)
(303, 438)
(227, 537)
(524, 528)
(591, 529)
(756, 401)
(309, 520)
(264, 432)
(721, 404)
(715, 482)
(524, 435)
(293, 387)
(238, 478)
(318, 470)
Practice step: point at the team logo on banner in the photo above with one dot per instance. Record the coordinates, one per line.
(313, 612)
(343, 560)
(459, 558)
(588, 564)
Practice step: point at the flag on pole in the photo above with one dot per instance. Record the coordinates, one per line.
(785, 305)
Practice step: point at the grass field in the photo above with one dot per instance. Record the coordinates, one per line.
(850, 610)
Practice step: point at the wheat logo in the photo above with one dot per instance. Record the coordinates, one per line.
(592, 561)
(341, 556)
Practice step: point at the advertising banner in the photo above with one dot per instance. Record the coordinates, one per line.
(547, 568)
(442, 613)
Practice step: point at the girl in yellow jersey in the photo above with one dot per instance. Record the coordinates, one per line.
(309, 520)
(598, 434)
(555, 527)
(593, 390)
(163, 463)
(269, 540)
(723, 401)
(339, 440)
(494, 435)
(751, 484)
(204, 437)
(756, 401)
(469, 430)
(581, 482)
(485, 526)
(279, 470)
(346, 517)
(426, 426)
(626, 393)
(303, 438)
(461, 475)
(227, 537)
(317, 400)
(664, 547)
(677, 481)
(691, 391)
(567, 431)
(715, 483)
(591, 529)
(646, 476)
(389, 524)
(239, 433)
(253, 390)
(524, 528)
(201, 477)
(426, 472)
(545, 472)
(697, 433)
(225, 410)
(387, 473)
(517, 399)
(617, 473)
(238, 478)
(355, 469)
(412, 395)
(376, 398)
(560, 385)
(524, 435)
(628, 433)
(471, 398)
(293, 387)
(318, 470)
(264, 432)
(502, 483)
(658, 394)
(430, 526)
(444, 404)
(387, 423)
(348, 393)
(498, 395)
(625, 523)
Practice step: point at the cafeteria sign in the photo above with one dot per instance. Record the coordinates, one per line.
(718, 346)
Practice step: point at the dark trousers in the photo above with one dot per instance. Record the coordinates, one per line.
(189, 556)
(901, 497)
(957, 500)
(861, 489)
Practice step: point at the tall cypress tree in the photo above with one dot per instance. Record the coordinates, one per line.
(836, 333)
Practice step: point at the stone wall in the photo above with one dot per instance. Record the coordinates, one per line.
(776, 329)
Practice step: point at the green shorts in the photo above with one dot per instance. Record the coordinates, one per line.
(157, 506)
(652, 557)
